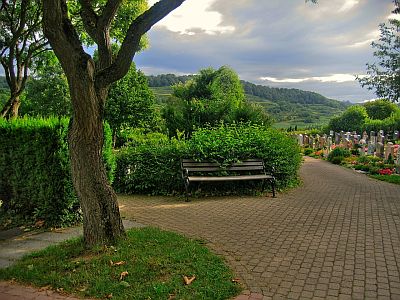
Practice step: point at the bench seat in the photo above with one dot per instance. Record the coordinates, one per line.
(207, 171)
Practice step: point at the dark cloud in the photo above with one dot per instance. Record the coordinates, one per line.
(279, 39)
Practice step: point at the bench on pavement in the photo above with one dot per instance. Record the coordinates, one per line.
(209, 171)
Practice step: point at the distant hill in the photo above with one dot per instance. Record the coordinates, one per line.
(289, 107)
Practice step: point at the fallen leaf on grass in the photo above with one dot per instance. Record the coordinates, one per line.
(123, 275)
(109, 296)
(39, 223)
(188, 280)
(44, 288)
(119, 263)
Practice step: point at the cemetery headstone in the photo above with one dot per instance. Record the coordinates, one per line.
(379, 149)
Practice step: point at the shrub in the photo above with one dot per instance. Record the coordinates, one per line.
(155, 168)
(338, 152)
(337, 160)
(35, 179)
(308, 151)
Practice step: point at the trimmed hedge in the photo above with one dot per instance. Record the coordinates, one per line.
(35, 179)
(154, 167)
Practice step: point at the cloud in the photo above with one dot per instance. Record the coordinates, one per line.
(194, 17)
(339, 78)
(348, 4)
(288, 43)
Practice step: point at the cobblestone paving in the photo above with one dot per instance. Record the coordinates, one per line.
(335, 237)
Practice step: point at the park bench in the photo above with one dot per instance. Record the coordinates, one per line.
(203, 171)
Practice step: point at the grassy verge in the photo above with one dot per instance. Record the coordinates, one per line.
(388, 178)
(155, 261)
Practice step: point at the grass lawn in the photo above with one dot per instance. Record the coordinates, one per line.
(388, 178)
(155, 262)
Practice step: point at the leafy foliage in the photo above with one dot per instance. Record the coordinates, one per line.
(374, 115)
(131, 104)
(380, 109)
(209, 98)
(21, 39)
(384, 75)
(337, 155)
(352, 119)
(35, 179)
(47, 92)
(154, 167)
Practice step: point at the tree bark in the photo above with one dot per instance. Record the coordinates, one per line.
(102, 223)
(101, 219)
(11, 108)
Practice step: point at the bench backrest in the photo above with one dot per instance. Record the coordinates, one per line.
(253, 165)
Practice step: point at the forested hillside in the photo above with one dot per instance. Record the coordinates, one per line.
(289, 107)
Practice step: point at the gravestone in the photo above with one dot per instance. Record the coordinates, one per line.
(306, 141)
(337, 138)
(365, 136)
(379, 149)
(371, 148)
(396, 135)
(329, 144)
(389, 150)
(373, 137)
(300, 139)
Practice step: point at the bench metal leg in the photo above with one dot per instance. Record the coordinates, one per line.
(273, 188)
(187, 190)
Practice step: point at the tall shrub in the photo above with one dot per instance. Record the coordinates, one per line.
(35, 179)
(154, 167)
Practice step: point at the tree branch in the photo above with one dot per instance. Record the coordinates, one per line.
(108, 13)
(130, 45)
(62, 35)
(89, 18)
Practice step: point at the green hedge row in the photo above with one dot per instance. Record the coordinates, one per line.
(35, 179)
(154, 167)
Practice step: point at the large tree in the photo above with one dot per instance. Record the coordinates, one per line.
(383, 76)
(89, 83)
(21, 39)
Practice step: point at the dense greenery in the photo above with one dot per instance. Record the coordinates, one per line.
(155, 262)
(287, 106)
(383, 76)
(375, 115)
(131, 104)
(154, 167)
(211, 97)
(35, 179)
(47, 91)
(167, 79)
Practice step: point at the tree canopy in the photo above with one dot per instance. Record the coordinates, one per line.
(21, 39)
(383, 76)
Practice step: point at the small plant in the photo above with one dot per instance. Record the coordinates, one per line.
(385, 172)
(338, 152)
(308, 151)
(337, 160)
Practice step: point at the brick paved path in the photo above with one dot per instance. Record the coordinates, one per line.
(335, 237)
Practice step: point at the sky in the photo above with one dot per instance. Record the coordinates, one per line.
(279, 43)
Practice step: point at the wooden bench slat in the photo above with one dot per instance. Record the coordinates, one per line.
(252, 168)
(229, 178)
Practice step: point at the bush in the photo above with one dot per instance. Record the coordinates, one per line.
(337, 160)
(155, 167)
(35, 179)
(308, 151)
(338, 152)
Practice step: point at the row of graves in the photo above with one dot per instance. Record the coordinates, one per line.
(376, 144)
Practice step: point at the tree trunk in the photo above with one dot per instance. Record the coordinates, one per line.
(11, 108)
(102, 224)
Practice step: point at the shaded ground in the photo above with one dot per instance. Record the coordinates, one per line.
(337, 236)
